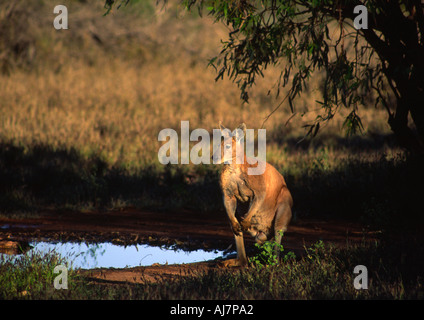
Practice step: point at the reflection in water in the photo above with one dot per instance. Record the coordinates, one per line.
(108, 255)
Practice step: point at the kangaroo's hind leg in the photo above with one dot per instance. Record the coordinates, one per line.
(241, 260)
(282, 220)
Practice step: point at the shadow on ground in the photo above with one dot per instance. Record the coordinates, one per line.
(383, 192)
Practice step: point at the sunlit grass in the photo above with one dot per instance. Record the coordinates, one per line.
(323, 272)
(80, 114)
(79, 128)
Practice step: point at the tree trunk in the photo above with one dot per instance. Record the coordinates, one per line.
(417, 114)
(410, 101)
(402, 57)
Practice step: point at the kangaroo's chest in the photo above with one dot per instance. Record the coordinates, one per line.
(234, 184)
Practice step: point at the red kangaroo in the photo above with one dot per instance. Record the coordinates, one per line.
(265, 197)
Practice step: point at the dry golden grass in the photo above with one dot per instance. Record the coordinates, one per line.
(112, 98)
(108, 85)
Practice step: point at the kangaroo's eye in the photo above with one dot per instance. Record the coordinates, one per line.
(227, 146)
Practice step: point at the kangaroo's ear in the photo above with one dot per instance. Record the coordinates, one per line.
(221, 126)
(242, 126)
(224, 131)
(240, 132)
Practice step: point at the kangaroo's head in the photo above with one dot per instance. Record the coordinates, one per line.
(227, 153)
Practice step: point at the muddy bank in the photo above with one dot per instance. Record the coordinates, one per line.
(183, 229)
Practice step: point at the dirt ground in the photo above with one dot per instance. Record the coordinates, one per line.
(184, 229)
